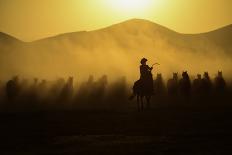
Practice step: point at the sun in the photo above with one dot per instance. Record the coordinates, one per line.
(130, 5)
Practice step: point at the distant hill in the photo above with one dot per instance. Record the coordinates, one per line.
(7, 39)
(117, 49)
(136, 28)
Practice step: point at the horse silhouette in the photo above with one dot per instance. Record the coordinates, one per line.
(140, 92)
(159, 86)
(172, 85)
(97, 89)
(198, 85)
(12, 88)
(220, 84)
(67, 90)
(206, 84)
(185, 85)
(86, 89)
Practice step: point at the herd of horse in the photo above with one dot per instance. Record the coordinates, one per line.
(184, 87)
(94, 90)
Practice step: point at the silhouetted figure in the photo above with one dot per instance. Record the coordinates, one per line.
(144, 86)
(33, 91)
(100, 88)
(185, 85)
(140, 94)
(172, 85)
(67, 90)
(198, 86)
(90, 80)
(12, 88)
(159, 86)
(146, 77)
(220, 84)
(86, 89)
(206, 84)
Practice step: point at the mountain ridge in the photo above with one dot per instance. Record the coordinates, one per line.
(4, 37)
(135, 21)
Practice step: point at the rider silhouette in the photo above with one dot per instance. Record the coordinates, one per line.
(145, 70)
(146, 76)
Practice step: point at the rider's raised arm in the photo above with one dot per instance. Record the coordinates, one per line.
(149, 68)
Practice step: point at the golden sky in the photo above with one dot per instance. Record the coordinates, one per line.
(34, 19)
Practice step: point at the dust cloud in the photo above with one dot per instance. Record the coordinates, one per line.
(115, 51)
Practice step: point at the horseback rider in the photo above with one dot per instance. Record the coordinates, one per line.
(145, 70)
(144, 86)
(146, 76)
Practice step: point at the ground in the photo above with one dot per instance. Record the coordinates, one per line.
(161, 130)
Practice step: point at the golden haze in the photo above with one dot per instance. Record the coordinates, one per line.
(31, 20)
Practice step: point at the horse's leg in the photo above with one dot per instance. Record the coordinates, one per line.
(148, 98)
(138, 104)
(142, 107)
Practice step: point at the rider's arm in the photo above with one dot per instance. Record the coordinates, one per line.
(150, 68)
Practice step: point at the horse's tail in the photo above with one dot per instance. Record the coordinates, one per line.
(135, 90)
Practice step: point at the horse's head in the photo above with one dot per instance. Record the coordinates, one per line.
(185, 75)
(70, 80)
(220, 74)
(175, 76)
(206, 75)
(199, 76)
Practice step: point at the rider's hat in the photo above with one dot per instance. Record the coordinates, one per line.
(143, 60)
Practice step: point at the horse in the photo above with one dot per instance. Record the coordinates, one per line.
(220, 84)
(207, 84)
(12, 88)
(159, 86)
(141, 90)
(172, 85)
(67, 90)
(198, 86)
(185, 85)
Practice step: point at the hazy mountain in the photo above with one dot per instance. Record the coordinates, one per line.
(5, 38)
(137, 29)
(116, 50)
(8, 42)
